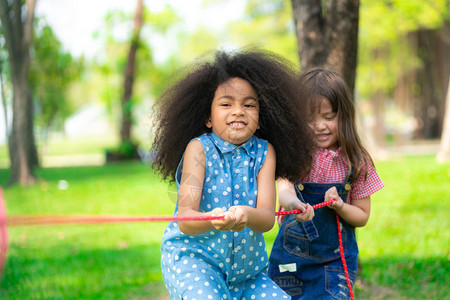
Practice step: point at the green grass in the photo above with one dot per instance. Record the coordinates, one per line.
(115, 261)
(406, 244)
(4, 156)
(404, 249)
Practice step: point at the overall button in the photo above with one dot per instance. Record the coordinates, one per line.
(300, 187)
(347, 187)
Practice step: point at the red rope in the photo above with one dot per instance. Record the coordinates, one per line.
(23, 220)
(297, 211)
(344, 263)
(83, 219)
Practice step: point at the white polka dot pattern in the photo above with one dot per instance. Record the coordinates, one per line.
(221, 264)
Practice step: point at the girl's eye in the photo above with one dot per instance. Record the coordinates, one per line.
(250, 104)
(225, 104)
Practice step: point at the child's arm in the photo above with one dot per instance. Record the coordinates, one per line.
(289, 200)
(356, 214)
(190, 192)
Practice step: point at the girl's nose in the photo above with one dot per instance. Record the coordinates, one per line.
(238, 110)
(319, 125)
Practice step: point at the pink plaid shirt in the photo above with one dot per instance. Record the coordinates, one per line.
(329, 166)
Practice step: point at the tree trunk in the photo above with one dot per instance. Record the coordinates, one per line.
(18, 37)
(125, 128)
(379, 131)
(429, 102)
(328, 39)
(444, 150)
(421, 91)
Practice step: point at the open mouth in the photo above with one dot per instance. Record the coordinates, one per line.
(237, 125)
(322, 137)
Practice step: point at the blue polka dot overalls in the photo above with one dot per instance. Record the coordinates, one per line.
(305, 259)
(221, 264)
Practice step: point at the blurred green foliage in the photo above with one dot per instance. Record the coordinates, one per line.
(63, 84)
(52, 70)
(385, 50)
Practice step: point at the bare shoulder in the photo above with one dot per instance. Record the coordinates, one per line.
(194, 145)
(194, 151)
(271, 151)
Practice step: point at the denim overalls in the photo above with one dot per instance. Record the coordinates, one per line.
(305, 259)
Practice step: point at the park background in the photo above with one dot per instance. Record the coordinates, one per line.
(77, 79)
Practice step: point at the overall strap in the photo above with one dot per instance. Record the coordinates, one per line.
(348, 180)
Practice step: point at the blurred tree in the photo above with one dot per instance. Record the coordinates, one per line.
(392, 56)
(327, 35)
(52, 71)
(129, 76)
(17, 28)
(432, 49)
(402, 60)
(444, 150)
(140, 78)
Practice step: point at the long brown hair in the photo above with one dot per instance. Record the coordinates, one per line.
(317, 83)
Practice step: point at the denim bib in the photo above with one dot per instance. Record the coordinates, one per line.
(305, 258)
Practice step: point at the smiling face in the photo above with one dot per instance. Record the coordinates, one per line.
(234, 111)
(324, 124)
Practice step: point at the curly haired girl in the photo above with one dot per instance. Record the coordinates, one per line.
(225, 131)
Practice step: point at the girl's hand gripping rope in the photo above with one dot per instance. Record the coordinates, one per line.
(332, 194)
(234, 219)
(241, 217)
(307, 210)
(226, 223)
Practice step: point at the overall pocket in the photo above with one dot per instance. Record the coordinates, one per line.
(296, 239)
(320, 244)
